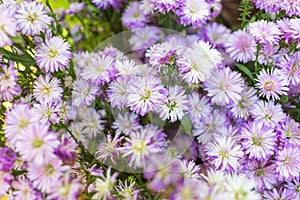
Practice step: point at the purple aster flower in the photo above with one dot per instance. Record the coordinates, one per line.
(47, 88)
(224, 153)
(197, 62)
(66, 111)
(241, 46)
(190, 170)
(8, 83)
(243, 107)
(165, 6)
(66, 189)
(268, 112)
(23, 189)
(7, 158)
(75, 7)
(8, 26)
(271, 84)
(66, 150)
(264, 32)
(290, 67)
(128, 190)
(185, 146)
(146, 94)
(194, 12)
(285, 27)
(268, 54)
(46, 175)
(269, 6)
(104, 4)
(117, 92)
(126, 67)
(98, 70)
(186, 189)
(53, 55)
(225, 86)
(5, 180)
(258, 140)
(288, 162)
(133, 16)
(32, 17)
(290, 131)
(47, 112)
(198, 107)
(174, 105)
(92, 123)
(126, 123)
(18, 118)
(291, 7)
(279, 194)
(294, 185)
(83, 93)
(295, 29)
(36, 144)
(262, 172)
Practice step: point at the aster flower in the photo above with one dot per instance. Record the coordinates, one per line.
(8, 26)
(165, 6)
(198, 107)
(36, 144)
(197, 62)
(225, 86)
(145, 95)
(47, 111)
(75, 7)
(288, 162)
(290, 131)
(294, 29)
(66, 111)
(7, 158)
(158, 137)
(104, 185)
(269, 6)
(268, 112)
(279, 194)
(268, 54)
(291, 7)
(294, 185)
(5, 180)
(46, 175)
(244, 106)
(104, 4)
(98, 70)
(187, 189)
(194, 12)
(290, 67)
(190, 170)
(142, 38)
(53, 55)
(133, 16)
(264, 32)
(32, 17)
(272, 84)
(224, 153)
(241, 46)
(127, 67)
(47, 88)
(66, 150)
(262, 172)
(126, 123)
(23, 189)
(83, 93)
(127, 190)
(8, 83)
(258, 140)
(92, 123)
(174, 105)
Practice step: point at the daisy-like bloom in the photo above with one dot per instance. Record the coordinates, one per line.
(272, 84)
(197, 62)
(83, 93)
(8, 83)
(240, 187)
(295, 29)
(104, 4)
(46, 175)
(98, 70)
(268, 112)
(290, 67)
(127, 190)
(288, 162)
(104, 185)
(194, 12)
(264, 32)
(46, 88)
(290, 131)
(133, 16)
(206, 127)
(241, 46)
(127, 67)
(187, 189)
(67, 149)
(165, 6)
(75, 7)
(268, 54)
(66, 111)
(198, 107)
(146, 94)
(53, 55)
(8, 26)
(263, 173)
(18, 118)
(190, 170)
(110, 148)
(269, 6)
(224, 153)
(281, 194)
(66, 189)
(23, 189)
(245, 104)
(138, 147)
(174, 105)
(225, 86)
(126, 123)
(36, 144)
(32, 17)
(291, 7)
(92, 123)
(47, 112)
(258, 140)
(294, 185)
(5, 180)
(216, 34)
(7, 158)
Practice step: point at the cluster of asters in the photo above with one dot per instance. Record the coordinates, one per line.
(242, 142)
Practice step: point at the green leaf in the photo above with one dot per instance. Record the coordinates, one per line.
(187, 125)
(245, 70)
(25, 59)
